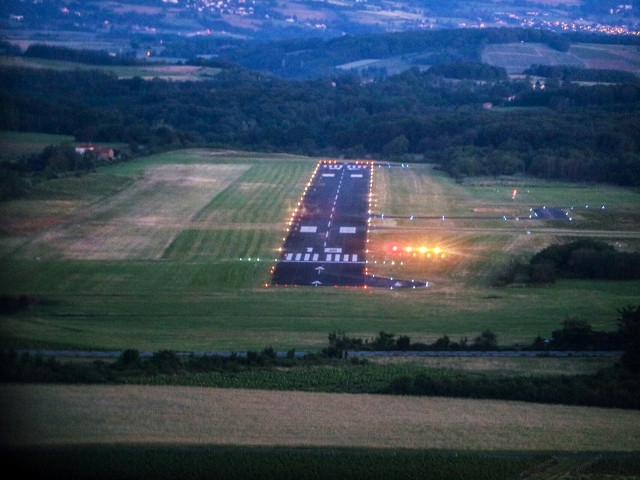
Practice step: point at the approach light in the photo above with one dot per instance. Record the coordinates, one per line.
(395, 248)
(436, 250)
(409, 249)
(423, 249)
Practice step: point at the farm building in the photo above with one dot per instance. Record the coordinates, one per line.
(102, 153)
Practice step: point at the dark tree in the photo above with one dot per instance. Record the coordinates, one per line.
(629, 329)
(487, 340)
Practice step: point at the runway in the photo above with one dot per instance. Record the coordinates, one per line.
(326, 242)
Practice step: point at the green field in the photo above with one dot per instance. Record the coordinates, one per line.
(166, 72)
(516, 57)
(15, 145)
(174, 251)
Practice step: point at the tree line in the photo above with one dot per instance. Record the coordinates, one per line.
(17, 178)
(575, 335)
(575, 74)
(618, 386)
(582, 258)
(568, 132)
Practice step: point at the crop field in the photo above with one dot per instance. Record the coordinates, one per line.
(516, 57)
(619, 57)
(173, 251)
(64, 415)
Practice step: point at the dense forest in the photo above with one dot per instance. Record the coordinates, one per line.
(467, 116)
(565, 131)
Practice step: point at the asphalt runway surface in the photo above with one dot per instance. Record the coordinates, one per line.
(327, 238)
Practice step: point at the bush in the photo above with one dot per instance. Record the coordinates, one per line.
(487, 340)
(629, 328)
(165, 361)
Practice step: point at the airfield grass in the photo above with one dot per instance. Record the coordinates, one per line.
(174, 251)
(117, 305)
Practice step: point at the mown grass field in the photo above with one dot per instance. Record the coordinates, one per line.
(173, 251)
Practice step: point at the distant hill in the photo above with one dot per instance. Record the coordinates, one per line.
(312, 58)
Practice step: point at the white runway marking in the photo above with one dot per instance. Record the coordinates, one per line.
(356, 175)
(347, 229)
(336, 257)
(308, 229)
